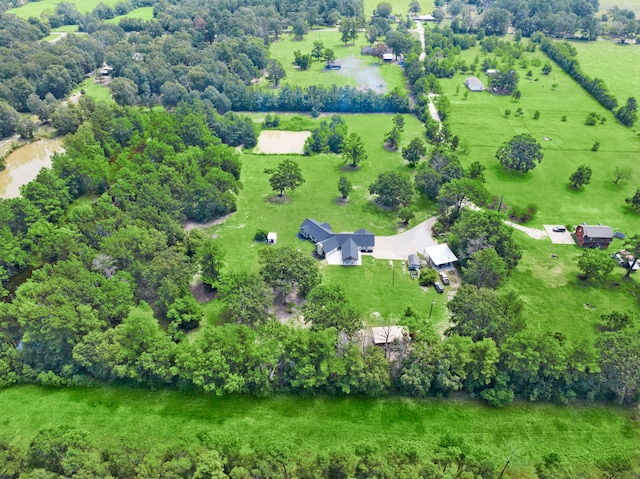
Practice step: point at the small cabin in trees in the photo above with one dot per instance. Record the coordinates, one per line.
(594, 236)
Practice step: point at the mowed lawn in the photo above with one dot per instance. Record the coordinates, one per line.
(480, 122)
(614, 63)
(362, 71)
(97, 91)
(35, 9)
(524, 432)
(368, 286)
(556, 300)
(399, 7)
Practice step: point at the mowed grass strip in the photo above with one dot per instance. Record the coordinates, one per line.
(582, 435)
(35, 9)
(98, 91)
(480, 122)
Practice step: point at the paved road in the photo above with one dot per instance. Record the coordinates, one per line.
(400, 246)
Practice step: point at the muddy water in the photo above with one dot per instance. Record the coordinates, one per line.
(24, 164)
(281, 142)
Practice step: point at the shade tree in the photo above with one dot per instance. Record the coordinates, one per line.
(580, 177)
(353, 149)
(246, 298)
(520, 153)
(286, 176)
(286, 269)
(393, 189)
(329, 307)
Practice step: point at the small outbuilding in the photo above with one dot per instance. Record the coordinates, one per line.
(440, 256)
(387, 57)
(384, 335)
(594, 236)
(413, 262)
(424, 18)
(272, 238)
(474, 84)
(333, 65)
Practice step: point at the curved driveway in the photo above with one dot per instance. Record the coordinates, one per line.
(400, 246)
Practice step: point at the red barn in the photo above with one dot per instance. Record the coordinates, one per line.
(594, 236)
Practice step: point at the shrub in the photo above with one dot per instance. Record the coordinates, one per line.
(261, 236)
(536, 115)
(522, 215)
(595, 146)
(428, 276)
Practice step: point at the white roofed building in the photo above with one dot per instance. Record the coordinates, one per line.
(440, 256)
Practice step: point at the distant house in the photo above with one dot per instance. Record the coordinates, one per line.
(414, 262)
(440, 256)
(333, 65)
(491, 72)
(338, 248)
(424, 18)
(474, 84)
(368, 51)
(387, 57)
(590, 236)
(384, 335)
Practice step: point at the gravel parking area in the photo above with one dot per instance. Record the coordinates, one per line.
(559, 238)
(400, 246)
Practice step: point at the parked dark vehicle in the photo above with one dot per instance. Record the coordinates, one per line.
(438, 286)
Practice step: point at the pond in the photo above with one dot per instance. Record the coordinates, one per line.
(365, 73)
(24, 164)
(279, 142)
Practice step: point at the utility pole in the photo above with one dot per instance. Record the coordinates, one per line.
(431, 309)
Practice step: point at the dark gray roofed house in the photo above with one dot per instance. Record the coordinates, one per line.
(338, 248)
(594, 236)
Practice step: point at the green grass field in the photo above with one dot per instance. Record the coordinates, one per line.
(619, 71)
(96, 90)
(556, 300)
(358, 71)
(628, 4)
(480, 122)
(160, 420)
(35, 9)
(399, 7)
(145, 13)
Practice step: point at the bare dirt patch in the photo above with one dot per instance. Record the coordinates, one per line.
(280, 142)
(279, 199)
(190, 225)
(202, 293)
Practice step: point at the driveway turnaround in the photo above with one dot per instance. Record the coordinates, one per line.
(400, 246)
(565, 237)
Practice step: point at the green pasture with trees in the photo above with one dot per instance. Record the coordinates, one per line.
(35, 9)
(283, 50)
(143, 13)
(131, 424)
(479, 120)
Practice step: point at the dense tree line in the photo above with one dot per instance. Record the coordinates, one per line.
(565, 56)
(55, 453)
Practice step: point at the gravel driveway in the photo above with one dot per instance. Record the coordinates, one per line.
(400, 246)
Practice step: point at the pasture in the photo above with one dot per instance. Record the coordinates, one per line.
(619, 71)
(97, 91)
(157, 421)
(479, 119)
(36, 9)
